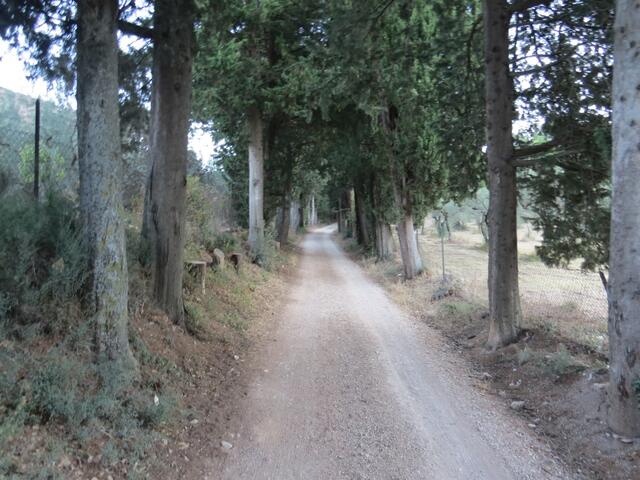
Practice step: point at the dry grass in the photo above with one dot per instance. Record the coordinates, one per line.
(565, 301)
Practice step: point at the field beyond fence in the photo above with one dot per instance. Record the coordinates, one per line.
(566, 300)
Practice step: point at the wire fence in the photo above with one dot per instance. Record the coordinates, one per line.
(567, 299)
(37, 155)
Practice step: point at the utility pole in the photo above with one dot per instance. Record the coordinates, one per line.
(36, 154)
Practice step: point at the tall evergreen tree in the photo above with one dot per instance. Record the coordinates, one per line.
(101, 169)
(391, 66)
(569, 159)
(624, 281)
(165, 203)
(247, 80)
(504, 297)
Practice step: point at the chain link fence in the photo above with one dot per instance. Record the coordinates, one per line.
(564, 299)
(31, 152)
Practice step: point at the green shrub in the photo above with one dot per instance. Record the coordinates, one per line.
(41, 254)
(458, 308)
(57, 393)
(195, 320)
(562, 362)
(225, 241)
(153, 410)
(524, 356)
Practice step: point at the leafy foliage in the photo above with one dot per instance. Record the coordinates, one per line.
(563, 58)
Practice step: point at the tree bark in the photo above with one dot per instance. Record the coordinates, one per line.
(313, 215)
(407, 239)
(624, 278)
(411, 260)
(167, 187)
(363, 235)
(384, 246)
(101, 170)
(300, 225)
(256, 184)
(409, 252)
(285, 224)
(382, 230)
(504, 298)
(294, 217)
(283, 230)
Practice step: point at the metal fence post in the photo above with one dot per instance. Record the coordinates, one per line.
(36, 154)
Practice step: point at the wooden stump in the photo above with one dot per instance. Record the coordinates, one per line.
(201, 267)
(235, 259)
(218, 259)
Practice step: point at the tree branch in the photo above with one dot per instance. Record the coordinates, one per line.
(384, 9)
(523, 5)
(474, 28)
(134, 29)
(531, 150)
(533, 70)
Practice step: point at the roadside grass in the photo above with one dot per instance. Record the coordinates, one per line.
(62, 416)
(64, 404)
(572, 301)
(563, 301)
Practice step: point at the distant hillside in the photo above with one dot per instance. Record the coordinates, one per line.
(17, 113)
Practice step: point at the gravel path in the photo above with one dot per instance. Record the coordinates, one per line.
(350, 388)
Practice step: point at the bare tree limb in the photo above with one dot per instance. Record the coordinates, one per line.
(522, 5)
(531, 150)
(533, 70)
(134, 29)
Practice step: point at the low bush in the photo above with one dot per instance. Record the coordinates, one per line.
(195, 320)
(562, 362)
(460, 226)
(225, 241)
(524, 356)
(84, 402)
(43, 264)
(56, 391)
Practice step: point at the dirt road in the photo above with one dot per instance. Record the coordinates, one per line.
(349, 388)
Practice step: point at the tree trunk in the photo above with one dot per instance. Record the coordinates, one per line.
(256, 185)
(313, 216)
(409, 253)
(504, 298)
(167, 188)
(624, 279)
(384, 246)
(411, 261)
(101, 171)
(294, 217)
(283, 230)
(363, 236)
(314, 211)
(285, 224)
(382, 230)
(300, 225)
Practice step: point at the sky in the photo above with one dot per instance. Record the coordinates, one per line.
(14, 76)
